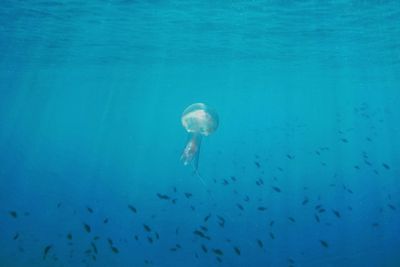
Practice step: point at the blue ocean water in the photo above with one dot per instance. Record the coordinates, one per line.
(303, 169)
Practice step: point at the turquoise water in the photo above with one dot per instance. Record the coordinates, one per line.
(302, 171)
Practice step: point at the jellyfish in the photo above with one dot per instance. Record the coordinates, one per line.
(198, 120)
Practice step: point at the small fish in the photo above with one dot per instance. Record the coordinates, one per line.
(204, 248)
(132, 208)
(150, 240)
(201, 234)
(16, 236)
(344, 140)
(292, 219)
(105, 220)
(46, 251)
(87, 228)
(13, 214)
(391, 206)
(157, 236)
(386, 166)
(337, 213)
(146, 228)
(114, 250)
(261, 208)
(375, 225)
(290, 156)
(317, 218)
(324, 243)
(321, 210)
(260, 243)
(218, 252)
(110, 242)
(205, 229)
(94, 247)
(233, 178)
(239, 206)
(305, 201)
(207, 217)
(272, 235)
(89, 209)
(69, 236)
(271, 223)
(164, 197)
(276, 189)
(188, 195)
(257, 164)
(237, 250)
(136, 237)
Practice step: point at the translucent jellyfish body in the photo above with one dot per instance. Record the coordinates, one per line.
(199, 120)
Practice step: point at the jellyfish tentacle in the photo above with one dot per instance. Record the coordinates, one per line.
(191, 152)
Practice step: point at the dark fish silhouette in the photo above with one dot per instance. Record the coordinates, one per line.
(305, 201)
(150, 240)
(272, 235)
(271, 223)
(261, 208)
(132, 208)
(276, 189)
(69, 236)
(391, 206)
(188, 195)
(13, 214)
(290, 156)
(207, 217)
(205, 229)
(16, 236)
(201, 234)
(114, 250)
(239, 206)
(146, 228)
(110, 242)
(105, 220)
(260, 243)
(87, 228)
(337, 213)
(386, 166)
(218, 252)
(164, 197)
(94, 247)
(324, 243)
(204, 248)
(89, 209)
(257, 164)
(344, 140)
(237, 250)
(46, 251)
(316, 217)
(291, 219)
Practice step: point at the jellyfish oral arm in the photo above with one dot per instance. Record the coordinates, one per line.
(191, 152)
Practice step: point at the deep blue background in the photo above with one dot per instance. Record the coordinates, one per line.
(91, 96)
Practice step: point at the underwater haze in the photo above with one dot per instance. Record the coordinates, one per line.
(303, 169)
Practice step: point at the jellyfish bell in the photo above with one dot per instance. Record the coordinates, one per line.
(199, 120)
